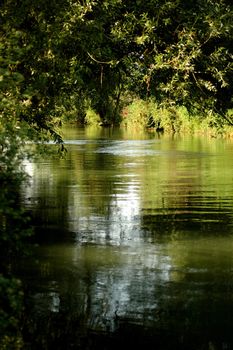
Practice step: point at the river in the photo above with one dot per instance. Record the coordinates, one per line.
(135, 234)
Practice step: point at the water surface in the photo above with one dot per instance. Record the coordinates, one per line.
(136, 243)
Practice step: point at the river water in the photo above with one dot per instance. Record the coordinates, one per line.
(135, 237)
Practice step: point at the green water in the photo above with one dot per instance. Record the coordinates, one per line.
(135, 237)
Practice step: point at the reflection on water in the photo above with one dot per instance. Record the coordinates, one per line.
(136, 244)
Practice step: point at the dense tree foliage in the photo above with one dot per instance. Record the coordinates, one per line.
(71, 53)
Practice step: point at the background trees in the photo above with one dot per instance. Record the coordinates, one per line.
(177, 52)
(62, 54)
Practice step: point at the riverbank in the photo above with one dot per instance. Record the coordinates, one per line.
(148, 115)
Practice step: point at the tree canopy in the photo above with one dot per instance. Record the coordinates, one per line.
(63, 53)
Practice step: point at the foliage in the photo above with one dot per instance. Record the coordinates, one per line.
(10, 313)
(14, 233)
(92, 118)
(172, 119)
(58, 55)
(14, 221)
(175, 51)
(140, 113)
(185, 54)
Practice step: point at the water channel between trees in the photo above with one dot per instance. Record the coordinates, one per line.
(135, 237)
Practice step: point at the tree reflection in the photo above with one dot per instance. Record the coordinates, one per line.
(144, 252)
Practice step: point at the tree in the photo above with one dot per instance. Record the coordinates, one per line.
(179, 52)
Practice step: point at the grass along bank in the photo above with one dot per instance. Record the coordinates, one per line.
(176, 119)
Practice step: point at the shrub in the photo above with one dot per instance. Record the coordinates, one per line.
(92, 118)
(140, 114)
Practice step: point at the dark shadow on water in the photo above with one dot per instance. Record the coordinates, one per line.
(58, 331)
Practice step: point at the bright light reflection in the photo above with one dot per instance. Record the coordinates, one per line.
(119, 222)
(126, 281)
